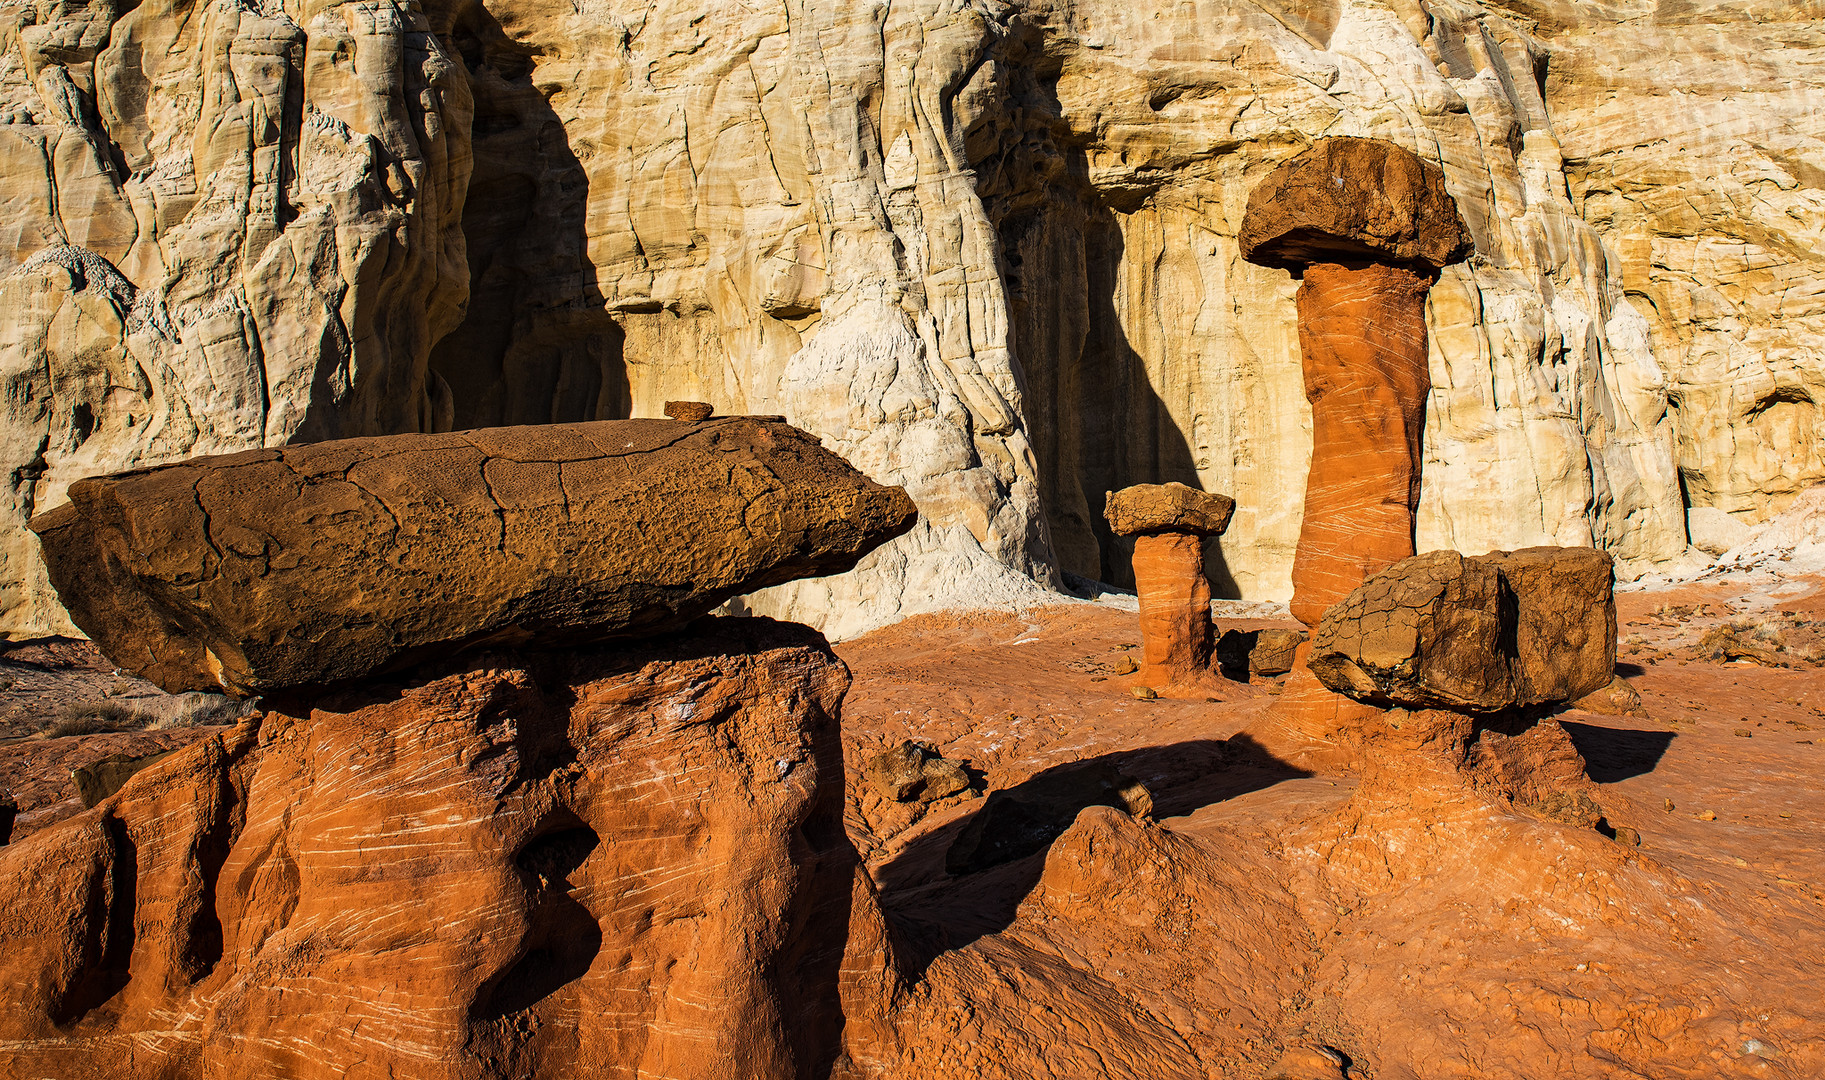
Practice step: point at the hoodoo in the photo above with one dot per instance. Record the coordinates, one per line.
(1367, 226)
(1169, 523)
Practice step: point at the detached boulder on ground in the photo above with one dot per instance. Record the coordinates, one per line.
(916, 772)
(1481, 635)
(321, 564)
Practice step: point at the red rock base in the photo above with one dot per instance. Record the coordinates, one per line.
(1362, 333)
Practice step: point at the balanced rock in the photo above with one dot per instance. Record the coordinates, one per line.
(1366, 225)
(1479, 635)
(319, 564)
(1169, 523)
(1167, 508)
(592, 864)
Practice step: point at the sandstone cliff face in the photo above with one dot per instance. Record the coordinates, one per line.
(227, 225)
(986, 250)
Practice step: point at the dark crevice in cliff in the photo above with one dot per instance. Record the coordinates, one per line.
(519, 357)
(1096, 423)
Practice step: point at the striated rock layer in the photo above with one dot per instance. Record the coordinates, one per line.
(324, 563)
(602, 864)
(1363, 336)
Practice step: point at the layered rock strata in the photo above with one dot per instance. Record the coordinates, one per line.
(598, 864)
(325, 563)
(1170, 523)
(1366, 226)
(1483, 635)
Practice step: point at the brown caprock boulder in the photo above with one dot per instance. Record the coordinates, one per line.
(320, 564)
(1481, 635)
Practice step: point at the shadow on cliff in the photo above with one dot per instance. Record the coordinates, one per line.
(966, 880)
(1096, 421)
(537, 345)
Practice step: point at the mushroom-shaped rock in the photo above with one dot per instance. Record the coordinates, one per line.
(1169, 523)
(1367, 225)
(319, 564)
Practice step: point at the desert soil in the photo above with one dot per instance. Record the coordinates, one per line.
(1721, 771)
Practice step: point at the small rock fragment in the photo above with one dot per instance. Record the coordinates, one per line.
(1670, 807)
(1627, 837)
(1708, 815)
(1144, 693)
(1259, 652)
(916, 772)
(691, 412)
(1743, 733)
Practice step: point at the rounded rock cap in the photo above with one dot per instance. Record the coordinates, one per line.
(1156, 508)
(1352, 201)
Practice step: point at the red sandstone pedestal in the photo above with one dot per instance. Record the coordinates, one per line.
(1363, 336)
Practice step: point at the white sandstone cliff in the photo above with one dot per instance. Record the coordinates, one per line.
(986, 249)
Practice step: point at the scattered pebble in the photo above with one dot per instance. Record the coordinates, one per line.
(1708, 815)
(1670, 806)
(1145, 693)
(1743, 733)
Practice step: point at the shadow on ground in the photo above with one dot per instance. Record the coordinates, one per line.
(1612, 754)
(966, 880)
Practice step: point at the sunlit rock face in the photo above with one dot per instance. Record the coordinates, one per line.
(986, 250)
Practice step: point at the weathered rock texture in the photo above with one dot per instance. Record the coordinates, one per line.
(988, 250)
(1506, 630)
(325, 563)
(1169, 523)
(1354, 201)
(606, 864)
(1167, 508)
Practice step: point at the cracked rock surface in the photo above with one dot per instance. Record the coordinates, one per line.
(325, 563)
(1485, 634)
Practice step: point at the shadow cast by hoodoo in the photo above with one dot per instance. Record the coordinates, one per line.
(966, 880)
(1612, 754)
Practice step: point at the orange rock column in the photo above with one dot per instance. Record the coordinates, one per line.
(1362, 332)
(1175, 605)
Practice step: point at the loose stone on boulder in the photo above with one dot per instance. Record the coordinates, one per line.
(320, 564)
(1480, 635)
